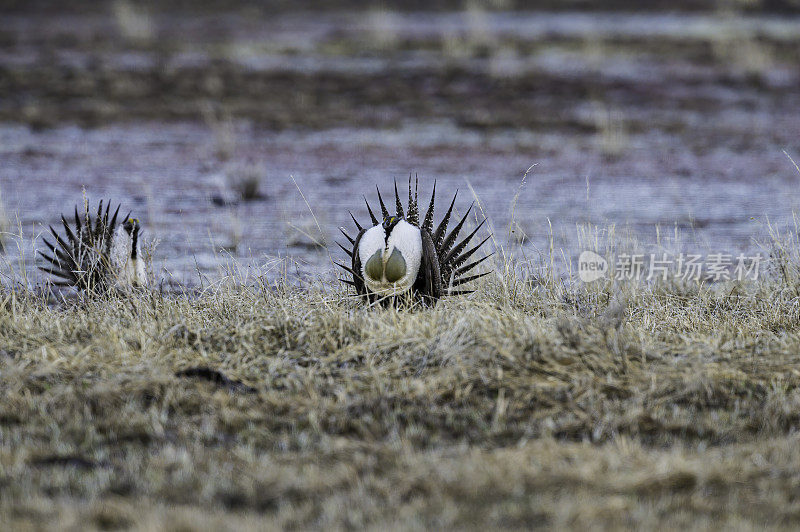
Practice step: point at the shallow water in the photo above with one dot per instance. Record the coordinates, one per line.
(166, 175)
(643, 130)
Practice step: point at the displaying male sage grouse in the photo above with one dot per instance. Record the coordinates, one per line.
(96, 253)
(399, 256)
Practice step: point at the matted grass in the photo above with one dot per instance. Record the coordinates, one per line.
(522, 405)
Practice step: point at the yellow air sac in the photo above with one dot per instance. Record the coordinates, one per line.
(395, 267)
(374, 267)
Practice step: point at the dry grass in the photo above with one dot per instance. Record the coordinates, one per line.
(246, 180)
(5, 224)
(527, 404)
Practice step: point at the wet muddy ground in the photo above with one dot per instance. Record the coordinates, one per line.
(675, 121)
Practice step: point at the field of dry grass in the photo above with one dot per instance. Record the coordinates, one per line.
(530, 403)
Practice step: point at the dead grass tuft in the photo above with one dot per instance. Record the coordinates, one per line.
(522, 405)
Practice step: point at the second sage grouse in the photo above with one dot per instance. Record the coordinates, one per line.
(96, 253)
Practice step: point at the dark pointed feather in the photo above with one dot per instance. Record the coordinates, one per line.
(98, 223)
(59, 240)
(348, 251)
(110, 226)
(59, 253)
(346, 268)
(464, 269)
(62, 247)
(398, 203)
(371, 214)
(53, 259)
(460, 292)
(448, 241)
(429, 279)
(458, 248)
(58, 273)
(87, 219)
(464, 280)
(427, 225)
(113, 223)
(70, 235)
(105, 216)
(47, 257)
(441, 229)
(355, 262)
(358, 225)
(77, 221)
(413, 204)
(348, 282)
(348, 237)
(384, 210)
(461, 259)
(49, 245)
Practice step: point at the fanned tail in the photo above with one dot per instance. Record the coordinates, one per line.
(80, 258)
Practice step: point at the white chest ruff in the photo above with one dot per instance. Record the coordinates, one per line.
(407, 239)
(128, 271)
(132, 273)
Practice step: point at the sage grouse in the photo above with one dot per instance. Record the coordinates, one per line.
(96, 253)
(399, 256)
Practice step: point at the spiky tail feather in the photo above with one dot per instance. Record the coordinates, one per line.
(81, 257)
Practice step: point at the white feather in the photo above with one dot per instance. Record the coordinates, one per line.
(128, 271)
(404, 237)
(371, 241)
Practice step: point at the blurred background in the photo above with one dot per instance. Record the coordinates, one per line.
(244, 131)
